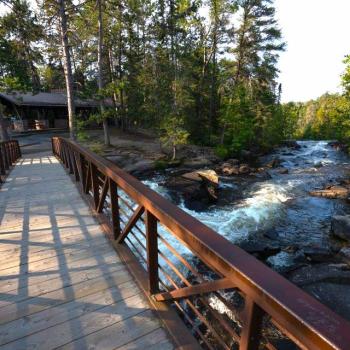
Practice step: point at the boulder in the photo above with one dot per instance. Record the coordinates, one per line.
(274, 163)
(332, 192)
(332, 273)
(229, 169)
(233, 161)
(141, 168)
(318, 165)
(340, 227)
(283, 171)
(291, 144)
(261, 248)
(209, 176)
(244, 169)
(345, 254)
(198, 162)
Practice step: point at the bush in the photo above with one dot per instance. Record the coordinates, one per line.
(222, 151)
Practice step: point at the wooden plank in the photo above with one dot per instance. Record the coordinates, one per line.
(10, 246)
(57, 296)
(155, 340)
(26, 276)
(76, 308)
(33, 254)
(60, 280)
(117, 333)
(78, 328)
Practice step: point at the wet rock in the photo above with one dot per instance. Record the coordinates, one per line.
(205, 175)
(233, 161)
(274, 163)
(283, 171)
(344, 253)
(318, 254)
(141, 168)
(198, 188)
(337, 145)
(262, 249)
(244, 169)
(228, 169)
(318, 165)
(198, 162)
(306, 275)
(332, 192)
(271, 234)
(291, 144)
(340, 227)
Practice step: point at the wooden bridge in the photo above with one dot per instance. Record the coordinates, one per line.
(90, 258)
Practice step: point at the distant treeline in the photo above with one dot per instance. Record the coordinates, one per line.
(326, 118)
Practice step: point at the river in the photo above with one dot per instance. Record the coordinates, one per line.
(280, 207)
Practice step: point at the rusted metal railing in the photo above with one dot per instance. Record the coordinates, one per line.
(227, 298)
(9, 153)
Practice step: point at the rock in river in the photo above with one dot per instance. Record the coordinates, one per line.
(332, 192)
(340, 227)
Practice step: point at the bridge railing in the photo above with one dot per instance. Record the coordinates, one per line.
(9, 153)
(226, 297)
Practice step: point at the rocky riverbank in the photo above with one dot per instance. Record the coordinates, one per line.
(289, 208)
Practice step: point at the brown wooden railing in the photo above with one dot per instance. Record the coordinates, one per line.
(9, 153)
(227, 298)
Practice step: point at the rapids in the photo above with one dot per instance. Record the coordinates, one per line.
(281, 205)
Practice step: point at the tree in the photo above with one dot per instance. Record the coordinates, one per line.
(20, 53)
(67, 64)
(174, 133)
(101, 78)
(3, 126)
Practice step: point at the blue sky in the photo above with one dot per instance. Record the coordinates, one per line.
(317, 34)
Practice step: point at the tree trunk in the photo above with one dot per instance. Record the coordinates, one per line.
(174, 152)
(100, 72)
(67, 69)
(4, 134)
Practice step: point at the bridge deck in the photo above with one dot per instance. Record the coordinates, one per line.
(61, 283)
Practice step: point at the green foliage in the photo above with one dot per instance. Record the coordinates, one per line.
(324, 118)
(173, 133)
(222, 151)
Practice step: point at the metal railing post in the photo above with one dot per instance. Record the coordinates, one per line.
(152, 252)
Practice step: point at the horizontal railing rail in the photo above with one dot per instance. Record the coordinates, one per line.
(227, 298)
(9, 153)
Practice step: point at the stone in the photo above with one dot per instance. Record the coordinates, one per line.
(274, 163)
(291, 144)
(332, 192)
(197, 162)
(283, 171)
(232, 161)
(229, 169)
(203, 175)
(340, 227)
(345, 254)
(318, 165)
(141, 168)
(244, 169)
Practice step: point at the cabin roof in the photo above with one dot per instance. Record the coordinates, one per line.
(48, 99)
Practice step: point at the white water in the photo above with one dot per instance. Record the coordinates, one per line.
(280, 203)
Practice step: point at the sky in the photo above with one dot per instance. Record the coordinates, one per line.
(317, 34)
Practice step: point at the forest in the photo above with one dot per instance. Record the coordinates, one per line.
(192, 71)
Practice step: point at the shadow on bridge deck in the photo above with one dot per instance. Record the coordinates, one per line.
(61, 283)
